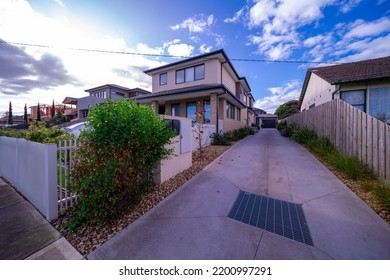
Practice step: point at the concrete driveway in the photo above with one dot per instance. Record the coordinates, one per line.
(265, 198)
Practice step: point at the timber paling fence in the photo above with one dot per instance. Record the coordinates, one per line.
(352, 132)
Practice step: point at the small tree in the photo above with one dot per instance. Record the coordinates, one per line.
(53, 110)
(39, 113)
(115, 158)
(287, 109)
(10, 118)
(199, 130)
(25, 118)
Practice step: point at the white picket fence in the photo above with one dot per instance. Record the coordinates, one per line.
(66, 151)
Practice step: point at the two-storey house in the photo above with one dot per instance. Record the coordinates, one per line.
(98, 95)
(206, 82)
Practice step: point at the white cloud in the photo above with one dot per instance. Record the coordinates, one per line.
(235, 18)
(196, 24)
(348, 5)
(367, 49)
(288, 91)
(363, 29)
(143, 48)
(182, 50)
(20, 23)
(279, 22)
(309, 42)
(205, 49)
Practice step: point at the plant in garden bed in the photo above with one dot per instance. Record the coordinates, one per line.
(114, 159)
(200, 138)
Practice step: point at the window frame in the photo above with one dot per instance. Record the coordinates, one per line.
(165, 74)
(186, 72)
(357, 106)
(174, 105)
(193, 115)
(207, 112)
(230, 108)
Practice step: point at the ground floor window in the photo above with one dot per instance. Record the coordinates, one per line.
(207, 113)
(190, 111)
(238, 114)
(379, 103)
(357, 98)
(175, 110)
(229, 110)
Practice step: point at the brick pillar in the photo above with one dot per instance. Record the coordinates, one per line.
(213, 108)
(155, 106)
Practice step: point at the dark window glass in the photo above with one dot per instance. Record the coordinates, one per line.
(207, 113)
(189, 74)
(199, 72)
(379, 103)
(190, 111)
(356, 98)
(180, 76)
(163, 79)
(175, 110)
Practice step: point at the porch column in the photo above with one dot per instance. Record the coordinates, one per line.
(155, 106)
(213, 108)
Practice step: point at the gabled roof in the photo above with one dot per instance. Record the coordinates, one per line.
(378, 68)
(354, 71)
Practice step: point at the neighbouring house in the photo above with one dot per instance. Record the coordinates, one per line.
(363, 84)
(265, 120)
(268, 120)
(206, 82)
(46, 111)
(70, 107)
(98, 95)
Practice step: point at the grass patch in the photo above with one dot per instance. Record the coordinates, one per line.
(347, 167)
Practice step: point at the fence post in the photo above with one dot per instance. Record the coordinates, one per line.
(51, 209)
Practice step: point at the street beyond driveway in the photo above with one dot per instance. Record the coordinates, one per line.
(265, 198)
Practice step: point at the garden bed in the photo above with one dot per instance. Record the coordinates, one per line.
(89, 237)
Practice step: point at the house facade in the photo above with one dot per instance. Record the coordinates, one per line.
(206, 82)
(98, 95)
(363, 84)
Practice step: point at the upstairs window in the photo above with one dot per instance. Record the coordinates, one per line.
(163, 79)
(199, 72)
(190, 74)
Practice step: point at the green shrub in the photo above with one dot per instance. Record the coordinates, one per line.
(38, 132)
(281, 125)
(115, 158)
(302, 134)
(219, 139)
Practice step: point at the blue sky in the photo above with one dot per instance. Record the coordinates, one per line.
(270, 30)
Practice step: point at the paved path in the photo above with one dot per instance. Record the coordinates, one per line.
(25, 234)
(192, 223)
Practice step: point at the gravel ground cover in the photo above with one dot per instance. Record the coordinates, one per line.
(90, 237)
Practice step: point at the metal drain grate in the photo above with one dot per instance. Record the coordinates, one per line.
(281, 217)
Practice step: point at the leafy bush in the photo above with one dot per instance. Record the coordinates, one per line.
(38, 132)
(281, 125)
(219, 139)
(302, 134)
(115, 158)
(230, 136)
